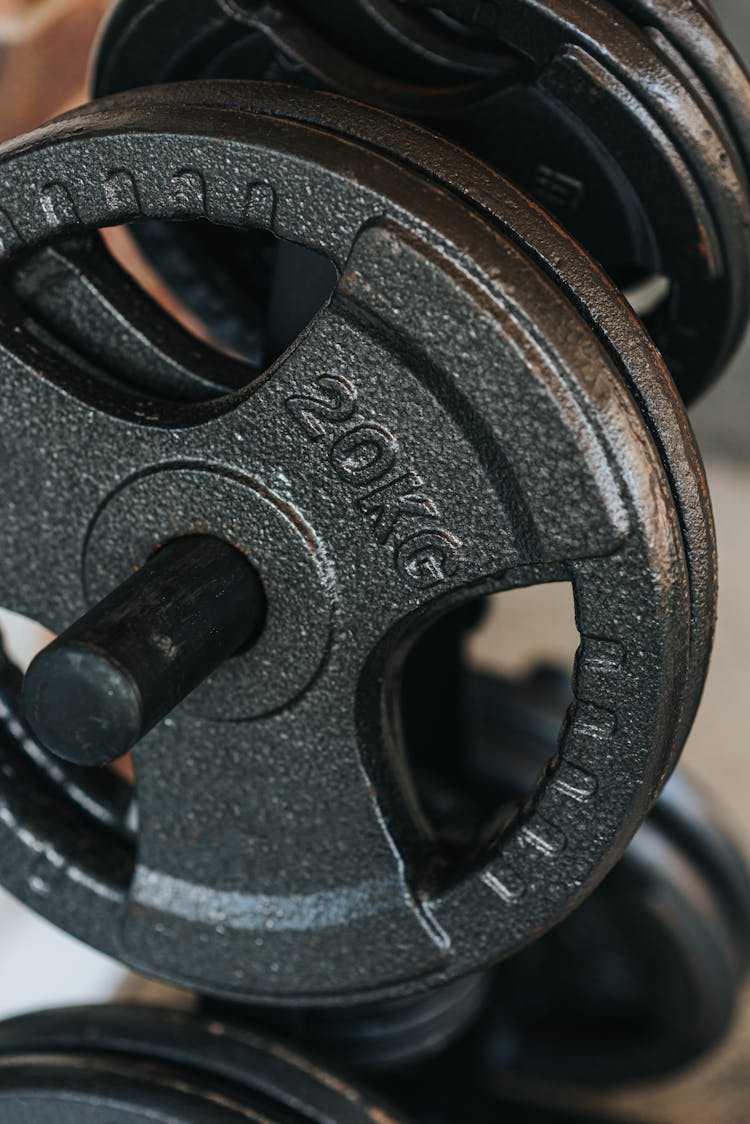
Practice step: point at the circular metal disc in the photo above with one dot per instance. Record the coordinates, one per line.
(498, 202)
(283, 856)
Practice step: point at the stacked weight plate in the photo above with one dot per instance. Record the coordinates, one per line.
(433, 387)
(607, 114)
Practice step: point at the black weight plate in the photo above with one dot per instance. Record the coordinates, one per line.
(597, 123)
(292, 864)
(145, 1063)
(529, 227)
(595, 30)
(176, 1060)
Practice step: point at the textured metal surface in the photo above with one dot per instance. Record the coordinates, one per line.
(292, 863)
(594, 116)
(497, 202)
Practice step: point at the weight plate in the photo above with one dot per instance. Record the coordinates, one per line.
(145, 1063)
(76, 1060)
(595, 121)
(497, 202)
(290, 862)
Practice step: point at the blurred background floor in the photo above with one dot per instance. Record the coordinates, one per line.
(39, 966)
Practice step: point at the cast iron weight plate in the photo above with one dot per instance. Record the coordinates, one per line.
(281, 856)
(124, 1063)
(82, 1055)
(74, 285)
(596, 121)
